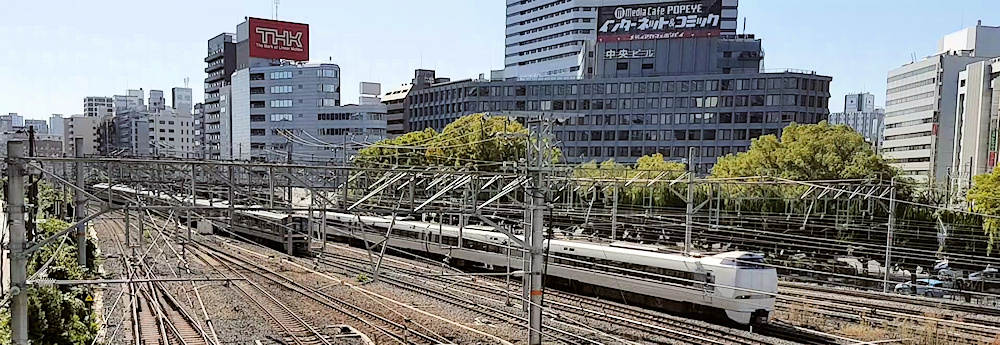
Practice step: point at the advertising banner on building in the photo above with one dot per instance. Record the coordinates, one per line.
(665, 20)
(272, 39)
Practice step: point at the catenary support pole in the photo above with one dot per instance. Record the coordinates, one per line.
(888, 235)
(18, 260)
(689, 215)
(81, 207)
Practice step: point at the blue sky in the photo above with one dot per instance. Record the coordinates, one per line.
(58, 52)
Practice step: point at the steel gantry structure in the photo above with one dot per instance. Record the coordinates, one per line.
(526, 200)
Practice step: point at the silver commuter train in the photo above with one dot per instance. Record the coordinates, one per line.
(735, 282)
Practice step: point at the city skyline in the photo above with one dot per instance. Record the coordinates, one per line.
(95, 52)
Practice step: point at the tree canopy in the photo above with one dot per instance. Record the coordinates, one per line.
(985, 199)
(808, 152)
(475, 140)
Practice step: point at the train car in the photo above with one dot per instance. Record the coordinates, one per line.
(737, 284)
(285, 231)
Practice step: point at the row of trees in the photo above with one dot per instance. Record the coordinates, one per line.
(57, 314)
(819, 152)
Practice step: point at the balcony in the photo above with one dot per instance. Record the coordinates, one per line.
(214, 78)
(215, 67)
(214, 55)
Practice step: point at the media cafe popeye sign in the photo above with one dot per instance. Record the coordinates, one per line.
(699, 18)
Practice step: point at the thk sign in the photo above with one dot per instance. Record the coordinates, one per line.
(272, 39)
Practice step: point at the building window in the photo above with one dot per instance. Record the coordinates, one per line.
(281, 103)
(329, 102)
(281, 89)
(281, 117)
(328, 88)
(326, 73)
(281, 75)
(258, 132)
(622, 66)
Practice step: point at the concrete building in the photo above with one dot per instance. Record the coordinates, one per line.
(397, 102)
(976, 128)
(41, 127)
(98, 106)
(131, 100)
(658, 88)
(84, 127)
(557, 38)
(180, 100)
(198, 117)
(626, 118)
(271, 109)
(264, 103)
(922, 104)
(154, 133)
(16, 120)
(46, 145)
(861, 114)
(56, 124)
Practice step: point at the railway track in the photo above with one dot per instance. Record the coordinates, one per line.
(292, 324)
(912, 300)
(952, 327)
(157, 317)
(655, 326)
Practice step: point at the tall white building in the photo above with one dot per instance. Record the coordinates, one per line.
(56, 124)
(98, 106)
(84, 127)
(546, 39)
(861, 114)
(976, 130)
(922, 104)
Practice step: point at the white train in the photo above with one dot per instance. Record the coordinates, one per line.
(737, 284)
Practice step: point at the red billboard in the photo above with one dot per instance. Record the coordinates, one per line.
(273, 39)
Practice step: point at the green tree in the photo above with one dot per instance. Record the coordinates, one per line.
(808, 152)
(478, 141)
(57, 314)
(985, 199)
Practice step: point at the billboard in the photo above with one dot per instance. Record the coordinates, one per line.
(665, 20)
(272, 39)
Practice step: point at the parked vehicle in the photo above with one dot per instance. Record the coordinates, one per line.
(925, 287)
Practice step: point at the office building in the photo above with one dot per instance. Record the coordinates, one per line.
(665, 88)
(156, 100)
(41, 127)
(861, 114)
(56, 124)
(46, 145)
(221, 63)
(85, 128)
(180, 100)
(397, 102)
(130, 100)
(154, 132)
(16, 121)
(270, 109)
(198, 117)
(97, 106)
(922, 104)
(274, 104)
(558, 38)
(976, 129)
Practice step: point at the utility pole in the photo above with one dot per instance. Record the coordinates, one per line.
(689, 216)
(536, 249)
(32, 190)
(18, 257)
(81, 208)
(888, 235)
